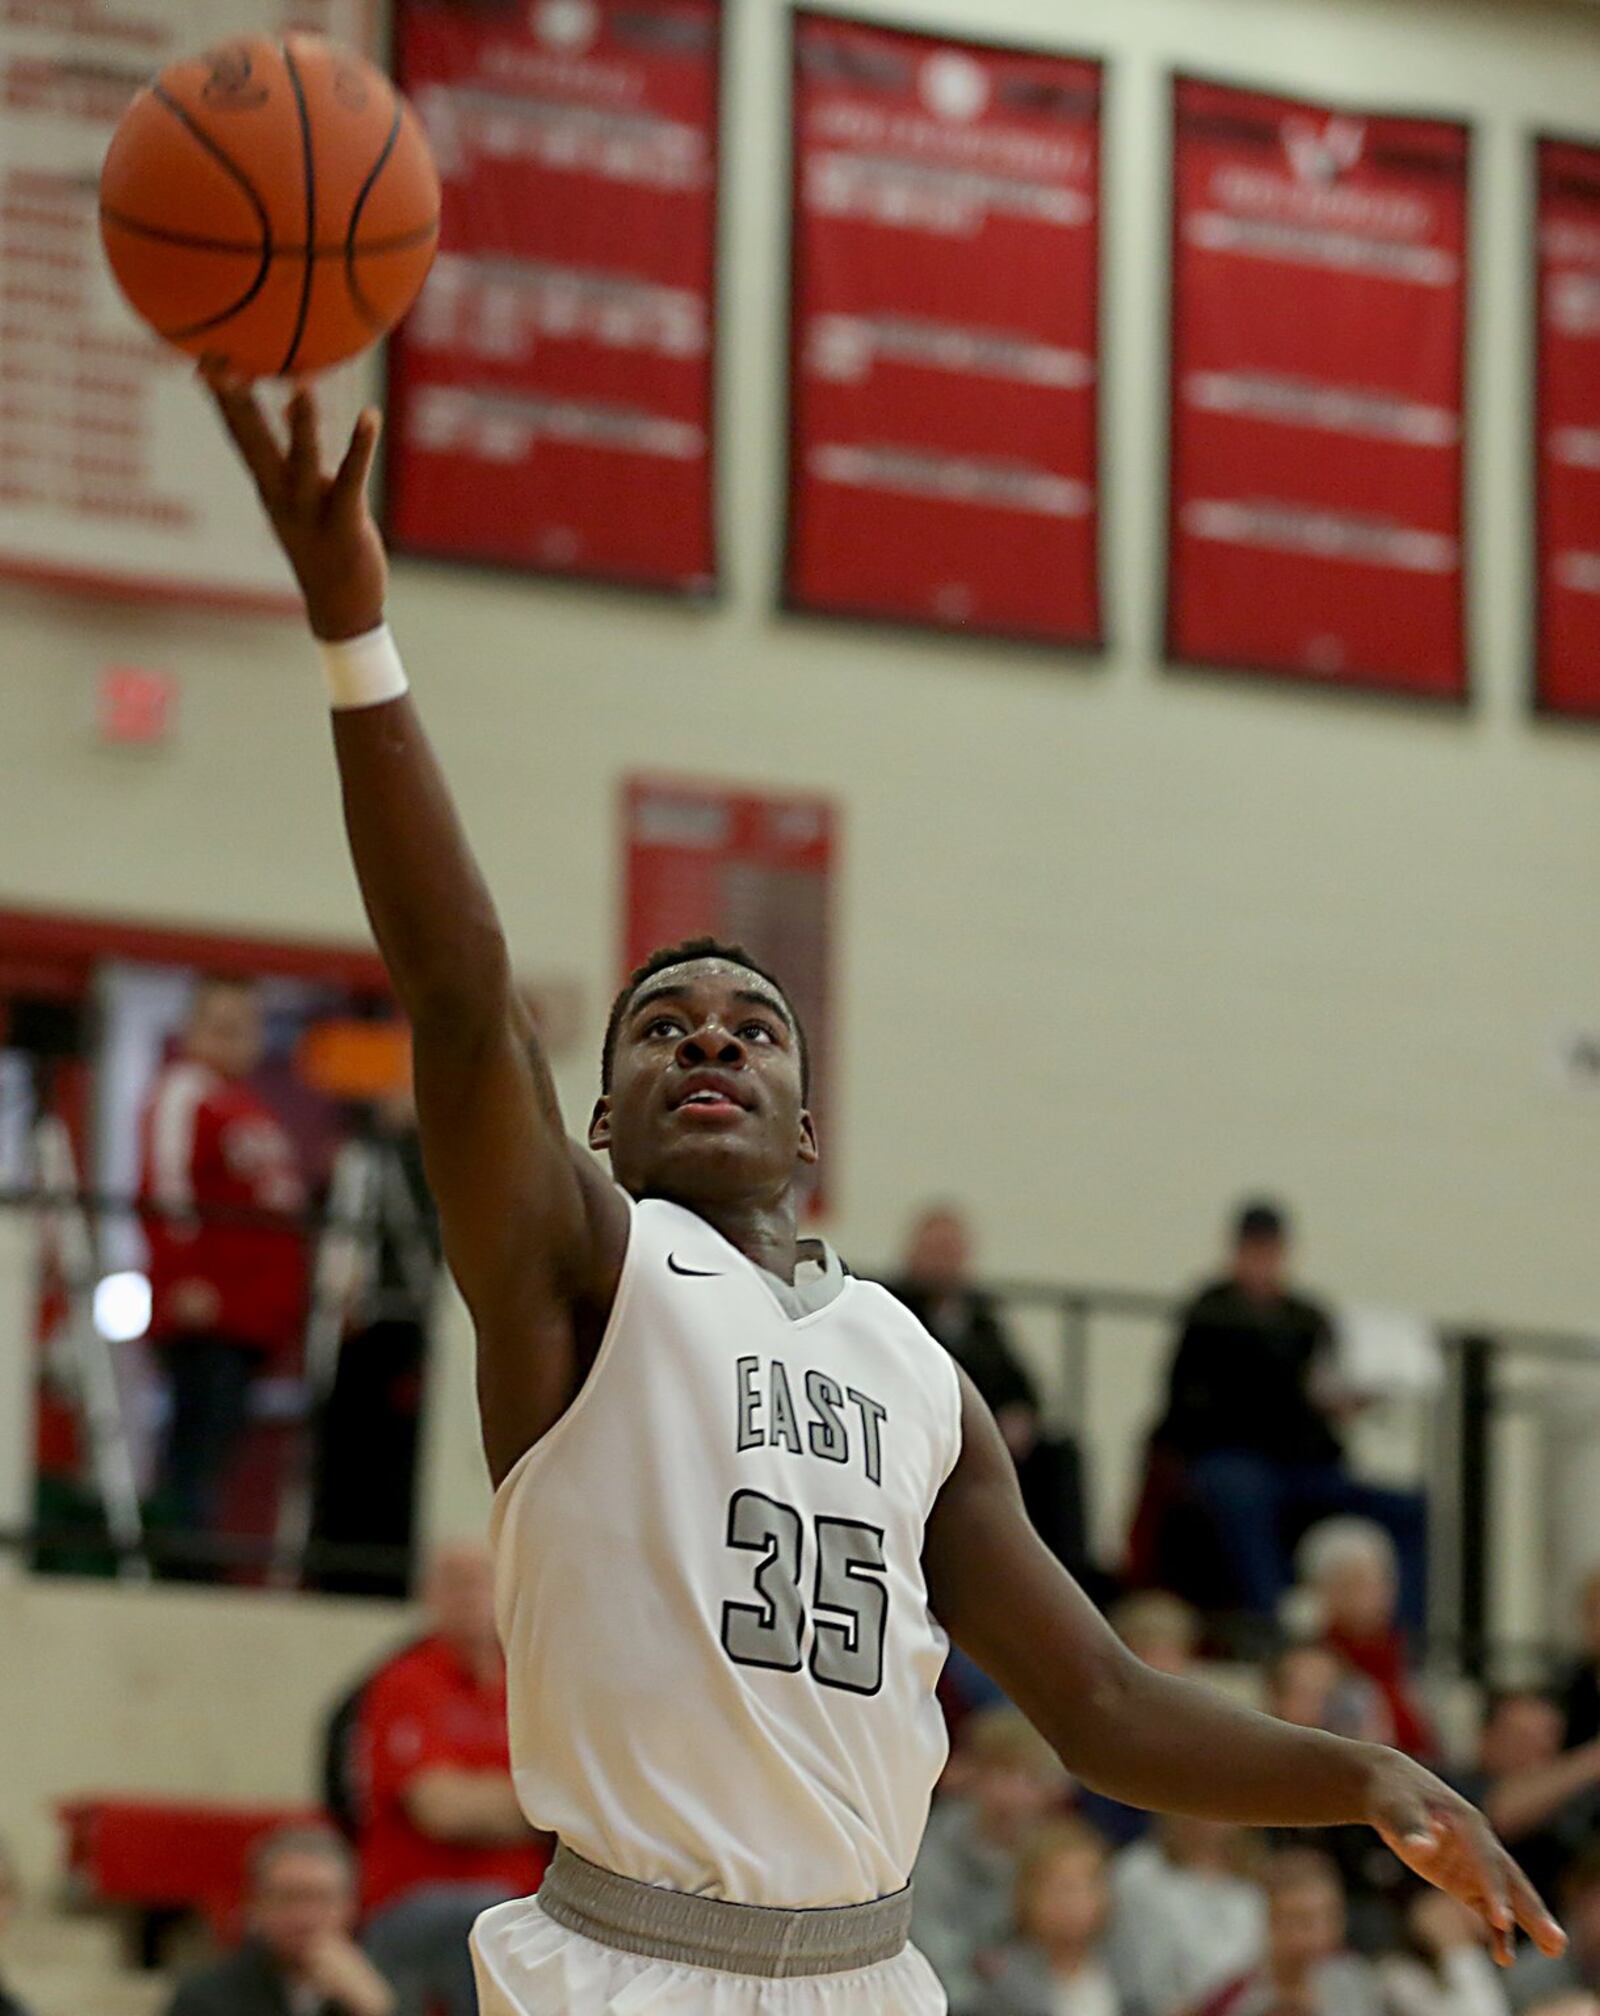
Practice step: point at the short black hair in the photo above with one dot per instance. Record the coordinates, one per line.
(1261, 1218)
(679, 955)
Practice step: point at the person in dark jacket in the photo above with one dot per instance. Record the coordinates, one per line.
(1253, 1411)
(935, 1284)
(1580, 1697)
(300, 1958)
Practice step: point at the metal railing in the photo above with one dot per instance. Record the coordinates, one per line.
(1482, 1443)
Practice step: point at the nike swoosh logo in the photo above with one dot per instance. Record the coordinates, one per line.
(701, 1273)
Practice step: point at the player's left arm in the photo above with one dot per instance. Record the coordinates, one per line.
(1174, 1745)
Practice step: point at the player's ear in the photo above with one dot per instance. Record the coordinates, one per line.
(809, 1150)
(600, 1125)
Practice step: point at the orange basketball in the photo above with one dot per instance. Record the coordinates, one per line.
(270, 204)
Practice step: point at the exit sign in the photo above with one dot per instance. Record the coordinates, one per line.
(135, 707)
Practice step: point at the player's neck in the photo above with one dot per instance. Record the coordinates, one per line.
(766, 1234)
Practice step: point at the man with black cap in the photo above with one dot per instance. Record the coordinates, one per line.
(1253, 1408)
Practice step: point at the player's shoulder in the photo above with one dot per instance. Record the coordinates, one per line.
(886, 1307)
(907, 1341)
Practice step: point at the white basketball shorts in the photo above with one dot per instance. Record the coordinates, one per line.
(527, 1965)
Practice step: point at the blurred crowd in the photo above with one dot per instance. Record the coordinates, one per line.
(1034, 1897)
(1258, 1561)
(1302, 1588)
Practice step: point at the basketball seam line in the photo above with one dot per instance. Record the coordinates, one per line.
(363, 305)
(198, 133)
(401, 241)
(308, 161)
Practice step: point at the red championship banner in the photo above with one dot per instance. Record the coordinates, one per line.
(114, 478)
(1318, 323)
(551, 395)
(747, 868)
(1569, 428)
(945, 333)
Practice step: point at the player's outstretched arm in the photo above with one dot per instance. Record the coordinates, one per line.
(533, 1234)
(1174, 1745)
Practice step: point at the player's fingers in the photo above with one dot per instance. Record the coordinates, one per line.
(1476, 1867)
(251, 431)
(351, 482)
(1533, 1914)
(305, 451)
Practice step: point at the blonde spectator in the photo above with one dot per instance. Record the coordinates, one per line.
(1186, 1916)
(1446, 1970)
(1158, 1628)
(1164, 1632)
(966, 1872)
(1056, 1966)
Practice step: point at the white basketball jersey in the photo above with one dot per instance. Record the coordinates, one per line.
(721, 1660)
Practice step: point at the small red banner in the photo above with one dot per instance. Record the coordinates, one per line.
(1569, 428)
(740, 866)
(551, 394)
(1318, 324)
(944, 345)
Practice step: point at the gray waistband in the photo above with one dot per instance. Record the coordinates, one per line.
(706, 1932)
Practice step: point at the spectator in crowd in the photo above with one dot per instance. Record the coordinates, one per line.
(1312, 1687)
(1253, 1411)
(936, 1286)
(1164, 1632)
(1305, 1968)
(966, 1872)
(1545, 1803)
(366, 1455)
(299, 1958)
(1444, 1968)
(441, 1836)
(1158, 1628)
(1349, 1565)
(1186, 1918)
(1055, 1966)
(227, 1284)
(9, 2005)
(1580, 1697)
(1537, 1979)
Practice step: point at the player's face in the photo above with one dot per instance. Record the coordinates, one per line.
(705, 1103)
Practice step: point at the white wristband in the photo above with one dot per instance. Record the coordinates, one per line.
(364, 671)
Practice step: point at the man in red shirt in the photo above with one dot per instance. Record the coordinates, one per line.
(442, 1837)
(227, 1285)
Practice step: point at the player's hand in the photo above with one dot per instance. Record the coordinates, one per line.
(1450, 1845)
(323, 522)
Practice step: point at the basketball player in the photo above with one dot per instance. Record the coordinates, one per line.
(740, 1496)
